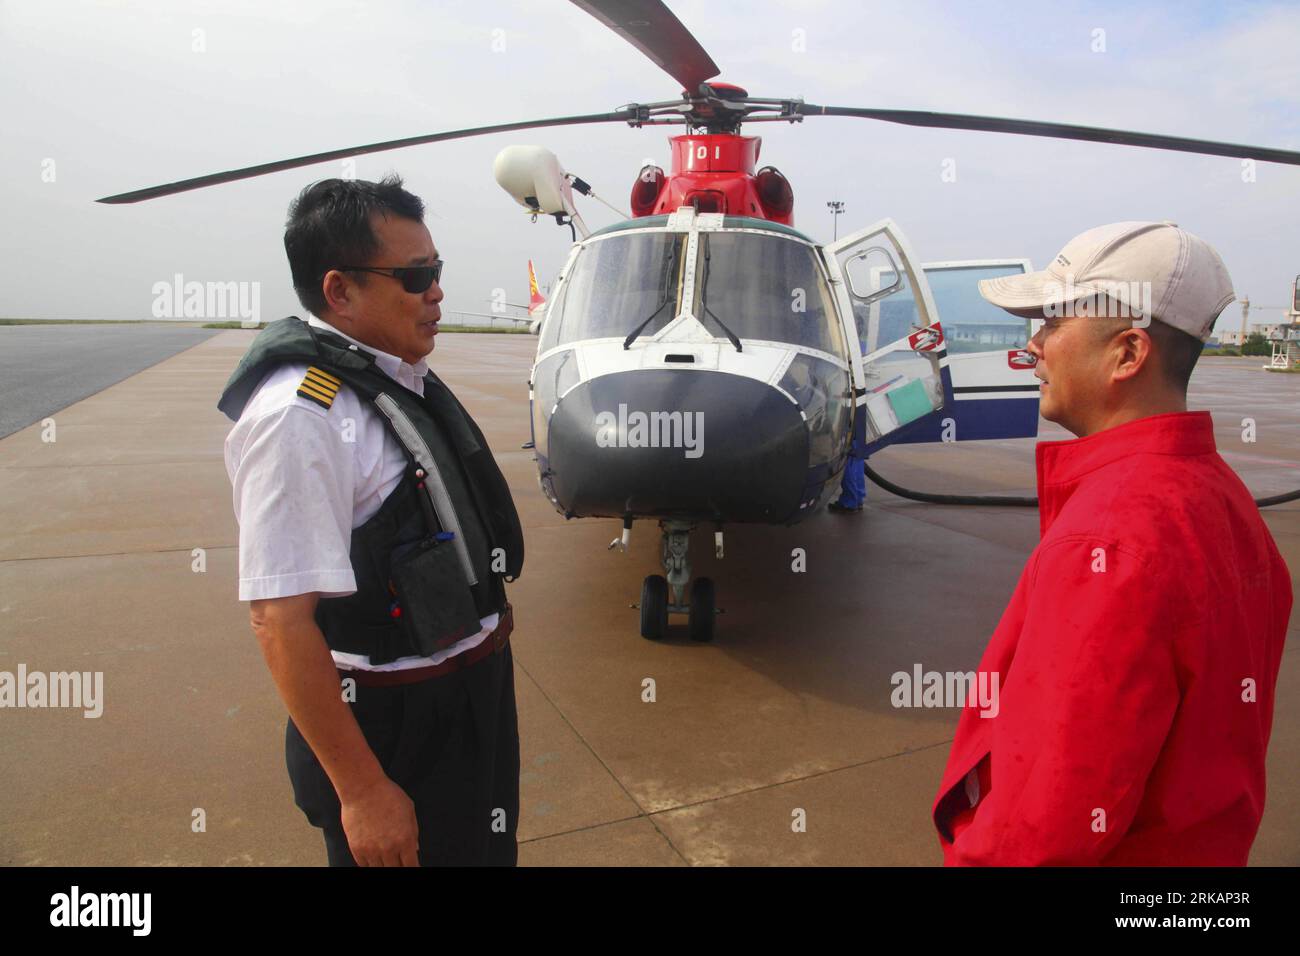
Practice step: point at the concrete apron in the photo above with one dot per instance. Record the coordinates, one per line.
(787, 715)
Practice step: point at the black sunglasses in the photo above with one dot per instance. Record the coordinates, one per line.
(415, 279)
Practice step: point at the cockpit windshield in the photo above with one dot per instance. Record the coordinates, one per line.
(615, 284)
(764, 287)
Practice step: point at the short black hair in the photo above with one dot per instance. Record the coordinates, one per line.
(329, 226)
(1178, 352)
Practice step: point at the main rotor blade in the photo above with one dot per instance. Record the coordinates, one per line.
(654, 30)
(248, 172)
(1091, 134)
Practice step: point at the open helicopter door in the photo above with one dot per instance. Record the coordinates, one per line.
(899, 359)
(994, 389)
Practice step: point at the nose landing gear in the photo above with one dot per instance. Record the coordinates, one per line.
(656, 588)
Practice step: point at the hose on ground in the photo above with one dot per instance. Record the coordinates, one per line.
(1015, 501)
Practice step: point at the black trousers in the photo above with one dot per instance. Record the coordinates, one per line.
(452, 743)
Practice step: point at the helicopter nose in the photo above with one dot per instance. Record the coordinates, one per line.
(680, 443)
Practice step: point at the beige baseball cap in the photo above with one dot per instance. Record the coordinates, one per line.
(1146, 269)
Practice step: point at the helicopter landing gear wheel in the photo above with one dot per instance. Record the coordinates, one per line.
(703, 610)
(654, 607)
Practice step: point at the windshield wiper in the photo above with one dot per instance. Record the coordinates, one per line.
(668, 295)
(704, 292)
(627, 343)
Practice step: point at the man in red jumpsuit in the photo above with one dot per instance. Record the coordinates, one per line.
(1138, 657)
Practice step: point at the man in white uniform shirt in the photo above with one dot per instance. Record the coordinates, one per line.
(373, 560)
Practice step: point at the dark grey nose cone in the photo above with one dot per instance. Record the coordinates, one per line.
(685, 444)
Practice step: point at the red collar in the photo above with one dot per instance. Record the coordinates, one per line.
(1062, 464)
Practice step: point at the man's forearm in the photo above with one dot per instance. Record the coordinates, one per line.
(308, 682)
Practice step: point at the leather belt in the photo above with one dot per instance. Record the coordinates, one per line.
(494, 643)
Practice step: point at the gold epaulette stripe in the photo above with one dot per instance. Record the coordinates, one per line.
(324, 376)
(329, 387)
(319, 393)
(324, 401)
(319, 387)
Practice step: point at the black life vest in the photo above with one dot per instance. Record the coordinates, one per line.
(433, 559)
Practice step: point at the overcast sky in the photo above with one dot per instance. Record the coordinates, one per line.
(103, 97)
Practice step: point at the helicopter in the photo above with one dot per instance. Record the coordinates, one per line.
(704, 362)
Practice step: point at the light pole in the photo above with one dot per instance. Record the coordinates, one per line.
(836, 207)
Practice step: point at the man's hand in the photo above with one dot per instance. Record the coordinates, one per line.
(378, 817)
(380, 826)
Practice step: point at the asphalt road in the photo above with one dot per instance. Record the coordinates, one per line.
(45, 368)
